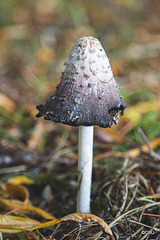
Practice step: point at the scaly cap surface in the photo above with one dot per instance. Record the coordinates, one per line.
(87, 94)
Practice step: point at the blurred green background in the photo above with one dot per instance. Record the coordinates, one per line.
(35, 39)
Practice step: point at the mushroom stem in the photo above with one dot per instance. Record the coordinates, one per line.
(85, 161)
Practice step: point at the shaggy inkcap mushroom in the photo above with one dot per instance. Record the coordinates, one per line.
(87, 94)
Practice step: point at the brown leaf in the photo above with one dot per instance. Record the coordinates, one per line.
(79, 217)
(17, 192)
(88, 217)
(15, 196)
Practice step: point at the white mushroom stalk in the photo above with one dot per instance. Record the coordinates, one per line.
(85, 162)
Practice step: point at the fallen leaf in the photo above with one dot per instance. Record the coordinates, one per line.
(48, 224)
(39, 211)
(19, 198)
(79, 217)
(19, 206)
(12, 224)
(10, 203)
(13, 196)
(16, 191)
(21, 180)
(88, 217)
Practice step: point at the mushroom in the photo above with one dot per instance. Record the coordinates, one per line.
(86, 96)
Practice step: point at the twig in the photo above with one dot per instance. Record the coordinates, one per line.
(156, 156)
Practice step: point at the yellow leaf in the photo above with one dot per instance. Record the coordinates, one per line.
(39, 211)
(19, 199)
(19, 206)
(15, 196)
(21, 180)
(12, 224)
(10, 203)
(135, 113)
(88, 217)
(48, 224)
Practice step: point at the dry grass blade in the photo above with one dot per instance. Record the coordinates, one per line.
(125, 200)
(149, 198)
(145, 225)
(156, 156)
(136, 233)
(132, 212)
(134, 195)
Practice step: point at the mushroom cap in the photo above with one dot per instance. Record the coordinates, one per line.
(87, 94)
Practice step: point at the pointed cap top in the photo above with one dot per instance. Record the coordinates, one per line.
(87, 94)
